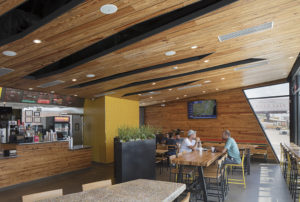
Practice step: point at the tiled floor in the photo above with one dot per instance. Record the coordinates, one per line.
(265, 184)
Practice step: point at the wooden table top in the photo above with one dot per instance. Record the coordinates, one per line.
(197, 158)
(161, 151)
(136, 190)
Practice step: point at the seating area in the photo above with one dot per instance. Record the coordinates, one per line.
(149, 100)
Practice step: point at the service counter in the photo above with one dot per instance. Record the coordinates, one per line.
(38, 160)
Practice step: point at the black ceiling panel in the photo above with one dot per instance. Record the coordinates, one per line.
(157, 89)
(141, 70)
(130, 35)
(31, 15)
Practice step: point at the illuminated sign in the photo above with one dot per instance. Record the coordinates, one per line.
(61, 119)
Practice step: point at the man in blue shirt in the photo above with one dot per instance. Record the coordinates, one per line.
(231, 148)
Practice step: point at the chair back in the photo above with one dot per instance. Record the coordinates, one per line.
(96, 185)
(187, 198)
(243, 158)
(42, 195)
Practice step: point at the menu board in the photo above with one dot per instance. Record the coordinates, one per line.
(14, 95)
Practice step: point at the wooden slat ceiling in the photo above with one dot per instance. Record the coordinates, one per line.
(6, 5)
(85, 25)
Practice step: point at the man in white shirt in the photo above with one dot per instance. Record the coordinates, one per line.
(190, 143)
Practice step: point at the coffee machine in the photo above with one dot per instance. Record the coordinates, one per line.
(13, 131)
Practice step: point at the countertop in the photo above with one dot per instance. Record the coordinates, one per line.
(77, 147)
(26, 143)
(8, 157)
(136, 190)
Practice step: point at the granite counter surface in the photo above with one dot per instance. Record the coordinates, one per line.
(136, 190)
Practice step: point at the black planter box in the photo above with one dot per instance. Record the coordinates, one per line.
(134, 160)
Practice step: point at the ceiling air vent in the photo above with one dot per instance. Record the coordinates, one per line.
(4, 71)
(52, 83)
(265, 62)
(187, 87)
(259, 28)
(104, 94)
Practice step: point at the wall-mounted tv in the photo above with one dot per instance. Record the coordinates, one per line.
(202, 109)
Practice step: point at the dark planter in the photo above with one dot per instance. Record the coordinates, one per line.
(134, 160)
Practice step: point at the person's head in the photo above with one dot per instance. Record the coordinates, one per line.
(191, 134)
(171, 135)
(167, 135)
(178, 136)
(226, 134)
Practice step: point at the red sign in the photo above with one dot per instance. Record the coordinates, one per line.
(61, 119)
(43, 101)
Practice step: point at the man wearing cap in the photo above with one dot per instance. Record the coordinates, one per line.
(231, 148)
(190, 143)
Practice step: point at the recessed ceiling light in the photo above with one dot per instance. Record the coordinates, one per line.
(37, 41)
(194, 47)
(74, 80)
(163, 105)
(140, 94)
(9, 53)
(223, 78)
(52, 91)
(90, 75)
(170, 89)
(153, 83)
(185, 95)
(169, 53)
(217, 88)
(75, 95)
(30, 88)
(175, 67)
(291, 57)
(108, 9)
(204, 91)
(177, 98)
(151, 97)
(207, 81)
(206, 61)
(164, 101)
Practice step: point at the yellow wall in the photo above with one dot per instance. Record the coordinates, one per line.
(94, 127)
(118, 112)
(102, 118)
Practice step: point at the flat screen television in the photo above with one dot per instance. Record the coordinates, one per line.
(202, 109)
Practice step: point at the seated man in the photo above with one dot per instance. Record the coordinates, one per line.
(179, 140)
(231, 148)
(191, 142)
(171, 141)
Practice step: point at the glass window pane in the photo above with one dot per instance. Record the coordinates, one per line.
(268, 91)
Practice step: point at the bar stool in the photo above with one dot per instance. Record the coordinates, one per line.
(241, 165)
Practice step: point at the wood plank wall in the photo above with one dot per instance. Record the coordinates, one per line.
(36, 161)
(233, 113)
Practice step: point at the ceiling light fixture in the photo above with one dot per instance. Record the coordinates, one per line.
(185, 95)
(207, 81)
(206, 61)
(151, 97)
(217, 88)
(194, 47)
(291, 57)
(108, 9)
(9, 53)
(90, 75)
(52, 91)
(30, 88)
(223, 78)
(170, 89)
(74, 80)
(140, 94)
(37, 41)
(164, 101)
(75, 95)
(177, 98)
(175, 67)
(170, 53)
(163, 105)
(153, 83)
(204, 91)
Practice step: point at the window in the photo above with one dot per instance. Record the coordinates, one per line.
(271, 107)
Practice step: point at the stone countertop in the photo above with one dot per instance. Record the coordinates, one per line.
(77, 147)
(136, 190)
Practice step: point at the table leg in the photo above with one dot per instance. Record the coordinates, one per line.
(248, 161)
(202, 183)
(180, 175)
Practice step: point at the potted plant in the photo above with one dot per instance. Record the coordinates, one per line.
(134, 153)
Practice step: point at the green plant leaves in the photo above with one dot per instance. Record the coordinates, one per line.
(126, 133)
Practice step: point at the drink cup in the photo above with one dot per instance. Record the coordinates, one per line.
(213, 149)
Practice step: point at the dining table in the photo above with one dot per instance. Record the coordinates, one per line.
(161, 151)
(199, 159)
(133, 191)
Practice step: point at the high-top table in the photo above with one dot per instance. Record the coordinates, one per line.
(295, 149)
(136, 190)
(199, 159)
